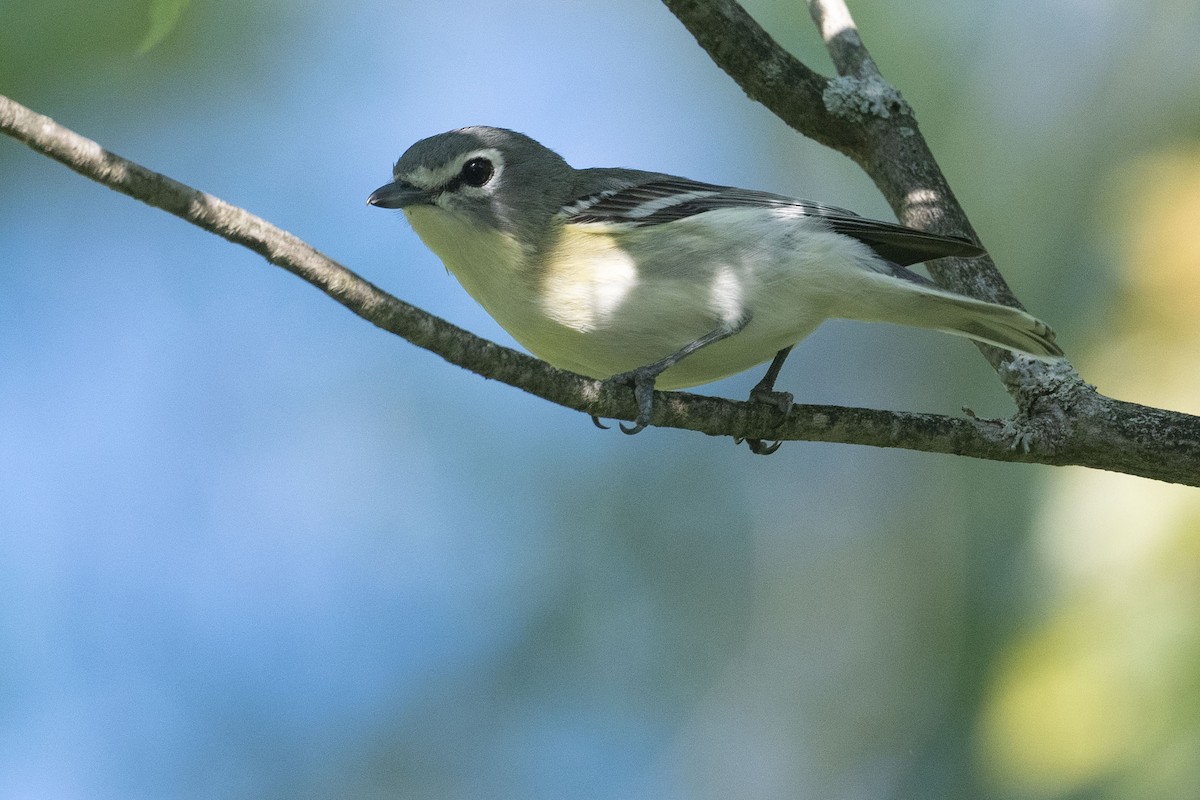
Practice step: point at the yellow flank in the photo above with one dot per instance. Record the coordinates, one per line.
(586, 278)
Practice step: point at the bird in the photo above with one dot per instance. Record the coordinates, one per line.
(655, 281)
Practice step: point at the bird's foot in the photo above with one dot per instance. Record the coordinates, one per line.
(770, 397)
(781, 401)
(642, 380)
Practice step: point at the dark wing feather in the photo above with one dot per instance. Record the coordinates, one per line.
(639, 205)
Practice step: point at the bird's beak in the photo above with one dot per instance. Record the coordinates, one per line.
(398, 194)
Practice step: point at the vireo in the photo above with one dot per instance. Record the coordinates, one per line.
(649, 279)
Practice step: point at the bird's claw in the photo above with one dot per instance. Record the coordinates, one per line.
(781, 401)
(642, 380)
(759, 446)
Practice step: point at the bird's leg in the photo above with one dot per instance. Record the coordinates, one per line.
(642, 379)
(764, 392)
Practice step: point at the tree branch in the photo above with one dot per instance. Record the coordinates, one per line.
(766, 72)
(862, 116)
(1061, 420)
(857, 114)
(846, 48)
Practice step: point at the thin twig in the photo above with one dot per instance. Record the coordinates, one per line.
(846, 49)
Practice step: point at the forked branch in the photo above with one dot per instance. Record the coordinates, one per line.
(1061, 420)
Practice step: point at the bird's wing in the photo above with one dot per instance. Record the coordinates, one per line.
(660, 199)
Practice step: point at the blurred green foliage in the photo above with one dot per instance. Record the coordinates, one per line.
(164, 17)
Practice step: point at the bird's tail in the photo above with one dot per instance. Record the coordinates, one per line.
(923, 305)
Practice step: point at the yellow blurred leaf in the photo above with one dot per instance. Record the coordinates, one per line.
(164, 17)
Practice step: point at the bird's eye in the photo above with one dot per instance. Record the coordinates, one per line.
(477, 171)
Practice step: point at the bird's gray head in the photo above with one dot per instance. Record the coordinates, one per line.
(487, 176)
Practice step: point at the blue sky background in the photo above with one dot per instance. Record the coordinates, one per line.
(251, 546)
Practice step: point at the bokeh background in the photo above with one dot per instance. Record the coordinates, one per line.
(252, 547)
